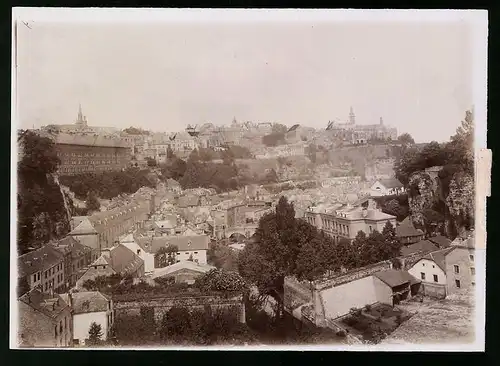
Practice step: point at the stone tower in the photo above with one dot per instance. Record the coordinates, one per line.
(381, 121)
(81, 120)
(352, 117)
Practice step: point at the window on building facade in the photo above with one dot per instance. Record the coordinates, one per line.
(456, 268)
(38, 276)
(471, 257)
(422, 275)
(457, 283)
(34, 277)
(472, 271)
(473, 283)
(435, 278)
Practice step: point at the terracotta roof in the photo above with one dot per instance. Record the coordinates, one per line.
(101, 261)
(394, 278)
(38, 260)
(87, 302)
(406, 229)
(439, 257)
(421, 246)
(391, 183)
(85, 227)
(192, 266)
(441, 241)
(88, 140)
(46, 304)
(69, 243)
(123, 260)
(92, 273)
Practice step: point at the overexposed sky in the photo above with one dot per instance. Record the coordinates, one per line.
(163, 76)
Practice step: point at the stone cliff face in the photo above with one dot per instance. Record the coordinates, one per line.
(455, 208)
(461, 201)
(421, 196)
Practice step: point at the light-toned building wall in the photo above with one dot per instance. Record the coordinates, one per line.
(338, 300)
(53, 277)
(382, 291)
(466, 269)
(148, 258)
(429, 268)
(199, 256)
(82, 322)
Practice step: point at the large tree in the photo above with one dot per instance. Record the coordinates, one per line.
(406, 139)
(92, 203)
(281, 245)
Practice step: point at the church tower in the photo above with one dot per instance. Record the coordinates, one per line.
(381, 121)
(81, 120)
(352, 117)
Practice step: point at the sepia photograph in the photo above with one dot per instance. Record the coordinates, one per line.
(248, 179)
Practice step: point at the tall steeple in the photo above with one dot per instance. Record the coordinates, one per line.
(352, 117)
(80, 114)
(81, 120)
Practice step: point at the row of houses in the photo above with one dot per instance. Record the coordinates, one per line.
(434, 273)
(62, 320)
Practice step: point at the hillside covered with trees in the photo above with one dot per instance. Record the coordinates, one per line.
(42, 215)
(444, 204)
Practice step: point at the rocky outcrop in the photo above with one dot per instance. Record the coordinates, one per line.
(455, 203)
(421, 197)
(461, 200)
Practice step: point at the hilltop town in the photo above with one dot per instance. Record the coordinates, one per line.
(252, 233)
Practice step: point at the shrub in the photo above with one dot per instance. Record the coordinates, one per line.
(399, 319)
(368, 307)
(341, 333)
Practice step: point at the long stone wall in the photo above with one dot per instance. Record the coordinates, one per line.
(352, 275)
(296, 294)
(161, 305)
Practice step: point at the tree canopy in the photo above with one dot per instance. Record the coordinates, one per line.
(406, 139)
(42, 214)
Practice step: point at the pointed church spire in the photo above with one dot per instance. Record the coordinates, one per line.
(80, 114)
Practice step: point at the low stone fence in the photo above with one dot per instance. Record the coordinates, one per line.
(433, 290)
(160, 305)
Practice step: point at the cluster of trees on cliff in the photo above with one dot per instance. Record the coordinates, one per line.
(200, 172)
(108, 185)
(277, 136)
(41, 211)
(455, 155)
(287, 246)
(457, 159)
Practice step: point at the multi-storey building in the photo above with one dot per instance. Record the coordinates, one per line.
(90, 153)
(360, 134)
(345, 220)
(102, 229)
(44, 320)
(43, 268)
(80, 127)
(76, 257)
